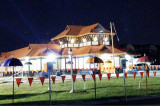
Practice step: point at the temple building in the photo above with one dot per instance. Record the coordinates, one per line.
(85, 41)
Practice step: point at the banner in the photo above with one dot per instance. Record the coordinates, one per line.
(100, 76)
(109, 76)
(126, 74)
(42, 79)
(147, 74)
(53, 79)
(93, 76)
(141, 73)
(18, 80)
(117, 74)
(154, 73)
(30, 81)
(74, 78)
(84, 76)
(63, 78)
(134, 74)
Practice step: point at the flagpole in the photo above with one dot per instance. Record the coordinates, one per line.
(112, 44)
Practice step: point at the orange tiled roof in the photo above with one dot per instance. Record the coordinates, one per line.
(93, 49)
(36, 50)
(19, 53)
(33, 50)
(75, 31)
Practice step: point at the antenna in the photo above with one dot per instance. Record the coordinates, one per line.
(115, 31)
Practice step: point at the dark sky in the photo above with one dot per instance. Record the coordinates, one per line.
(37, 21)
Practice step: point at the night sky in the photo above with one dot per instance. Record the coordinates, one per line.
(37, 21)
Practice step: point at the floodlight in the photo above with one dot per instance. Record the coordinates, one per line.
(50, 57)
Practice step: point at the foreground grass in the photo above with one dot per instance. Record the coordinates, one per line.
(38, 94)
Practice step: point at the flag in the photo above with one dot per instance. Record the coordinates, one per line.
(18, 80)
(30, 81)
(100, 76)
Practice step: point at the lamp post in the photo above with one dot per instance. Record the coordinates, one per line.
(27, 63)
(70, 57)
(50, 62)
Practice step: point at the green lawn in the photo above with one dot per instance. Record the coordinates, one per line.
(38, 94)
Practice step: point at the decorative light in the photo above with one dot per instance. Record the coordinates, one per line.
(128, 57)
(84, 40)
(72, 40)
(106, 39)
(95, 38)
(60, 42)
(50, 57)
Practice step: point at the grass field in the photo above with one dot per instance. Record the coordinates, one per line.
(38, 94)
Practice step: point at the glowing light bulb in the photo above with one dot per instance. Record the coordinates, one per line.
(72, 41)
(95, 38)
(106, 39)
(84, 40)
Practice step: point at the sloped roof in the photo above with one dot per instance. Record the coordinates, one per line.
(93, 49)
(36, 50)
(33, 50)
(75, 31)
(19, 53)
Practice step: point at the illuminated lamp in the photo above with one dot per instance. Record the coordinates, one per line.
(72, 41)
(95, 38)
(106, 39)
(84, 40)
(61, 42)
(50, 57)
(128, 57)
